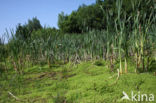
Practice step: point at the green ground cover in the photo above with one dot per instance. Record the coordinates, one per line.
(87, 82)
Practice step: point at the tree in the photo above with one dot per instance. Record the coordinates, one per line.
(84, 19)
(34, 24)
(24, 31)
(99, 2)
(62, 18)
(103, 15)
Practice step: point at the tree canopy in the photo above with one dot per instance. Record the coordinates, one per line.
(96, 16)
(24, 31)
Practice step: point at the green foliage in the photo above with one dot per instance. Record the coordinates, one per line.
(3, 50)
(44, 33)
(90, 83)
(24, 31)
(120, 32)
(124, 36)
(86, 18)
(103, 13)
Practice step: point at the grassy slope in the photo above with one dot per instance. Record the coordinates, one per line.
(82, 83)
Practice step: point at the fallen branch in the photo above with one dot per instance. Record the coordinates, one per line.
(16, 98)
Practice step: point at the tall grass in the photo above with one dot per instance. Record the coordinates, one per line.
(118, 42)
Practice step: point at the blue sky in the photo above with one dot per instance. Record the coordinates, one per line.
(13, 12)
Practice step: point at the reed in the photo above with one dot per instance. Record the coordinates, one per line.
(117, 42)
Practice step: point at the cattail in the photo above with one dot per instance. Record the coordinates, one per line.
(126, 71)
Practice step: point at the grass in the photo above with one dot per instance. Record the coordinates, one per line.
(87, 82)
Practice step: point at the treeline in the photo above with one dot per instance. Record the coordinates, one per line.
(103, 14)
(32, 29)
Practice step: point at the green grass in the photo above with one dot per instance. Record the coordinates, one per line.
(87, 82)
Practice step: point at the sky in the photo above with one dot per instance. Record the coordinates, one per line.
(13, 12)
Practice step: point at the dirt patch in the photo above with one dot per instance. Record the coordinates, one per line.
(66, 76)
(49, 75)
